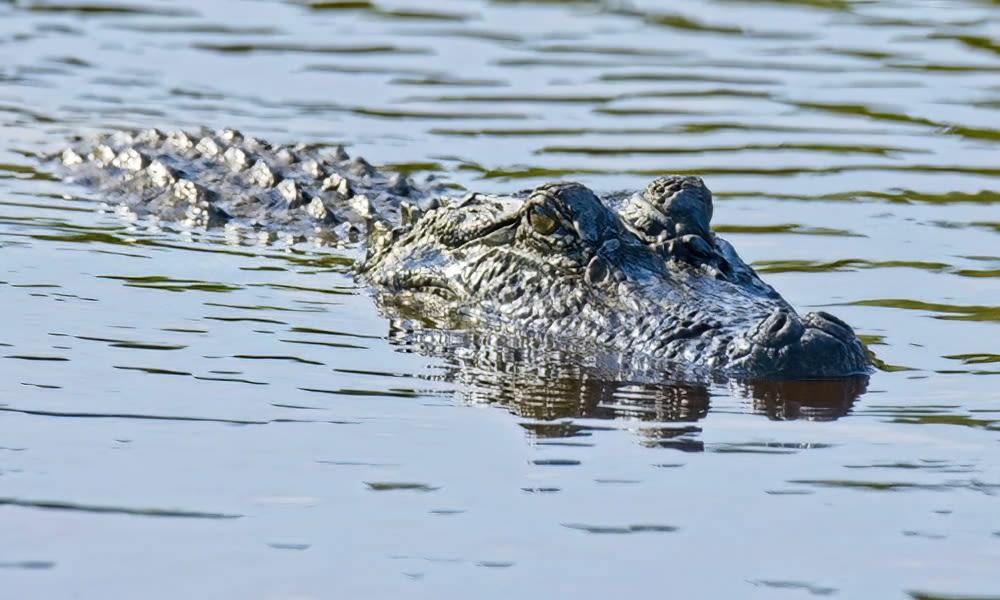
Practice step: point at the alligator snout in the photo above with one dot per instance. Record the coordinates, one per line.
(784, 345)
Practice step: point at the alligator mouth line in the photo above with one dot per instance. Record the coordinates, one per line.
(491, 234)
(686, 333)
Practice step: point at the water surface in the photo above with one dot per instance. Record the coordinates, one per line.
(184, 414)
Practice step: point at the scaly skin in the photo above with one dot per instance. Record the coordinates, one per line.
(639, 278)
(208, 179)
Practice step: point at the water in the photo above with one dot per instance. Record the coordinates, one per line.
(187, 417)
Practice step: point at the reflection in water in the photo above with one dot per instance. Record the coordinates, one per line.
(825, 400)
(547, 384)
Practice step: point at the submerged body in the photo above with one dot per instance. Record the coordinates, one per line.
(640, 276)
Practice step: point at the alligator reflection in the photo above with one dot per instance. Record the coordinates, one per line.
(555, 386)
(814, 400)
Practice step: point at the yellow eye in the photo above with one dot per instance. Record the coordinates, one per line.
(543, 222)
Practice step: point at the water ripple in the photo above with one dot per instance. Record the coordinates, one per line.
(851, 150)
(118, 510)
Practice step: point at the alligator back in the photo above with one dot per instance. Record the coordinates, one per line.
(223, 178)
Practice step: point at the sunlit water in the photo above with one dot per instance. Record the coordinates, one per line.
(183, 415)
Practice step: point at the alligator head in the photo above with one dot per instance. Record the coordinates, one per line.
(641, 276)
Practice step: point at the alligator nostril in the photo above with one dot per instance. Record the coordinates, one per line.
(776, 322)
(831, 318)
(780, 328)
(830, 324)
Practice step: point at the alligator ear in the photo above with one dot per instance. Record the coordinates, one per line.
(501, 237)
(597, 271)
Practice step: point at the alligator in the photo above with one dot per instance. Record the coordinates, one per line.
(638, 278)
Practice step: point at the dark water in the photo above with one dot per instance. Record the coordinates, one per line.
(186, 415)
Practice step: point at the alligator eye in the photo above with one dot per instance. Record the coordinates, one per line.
(541, 221)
